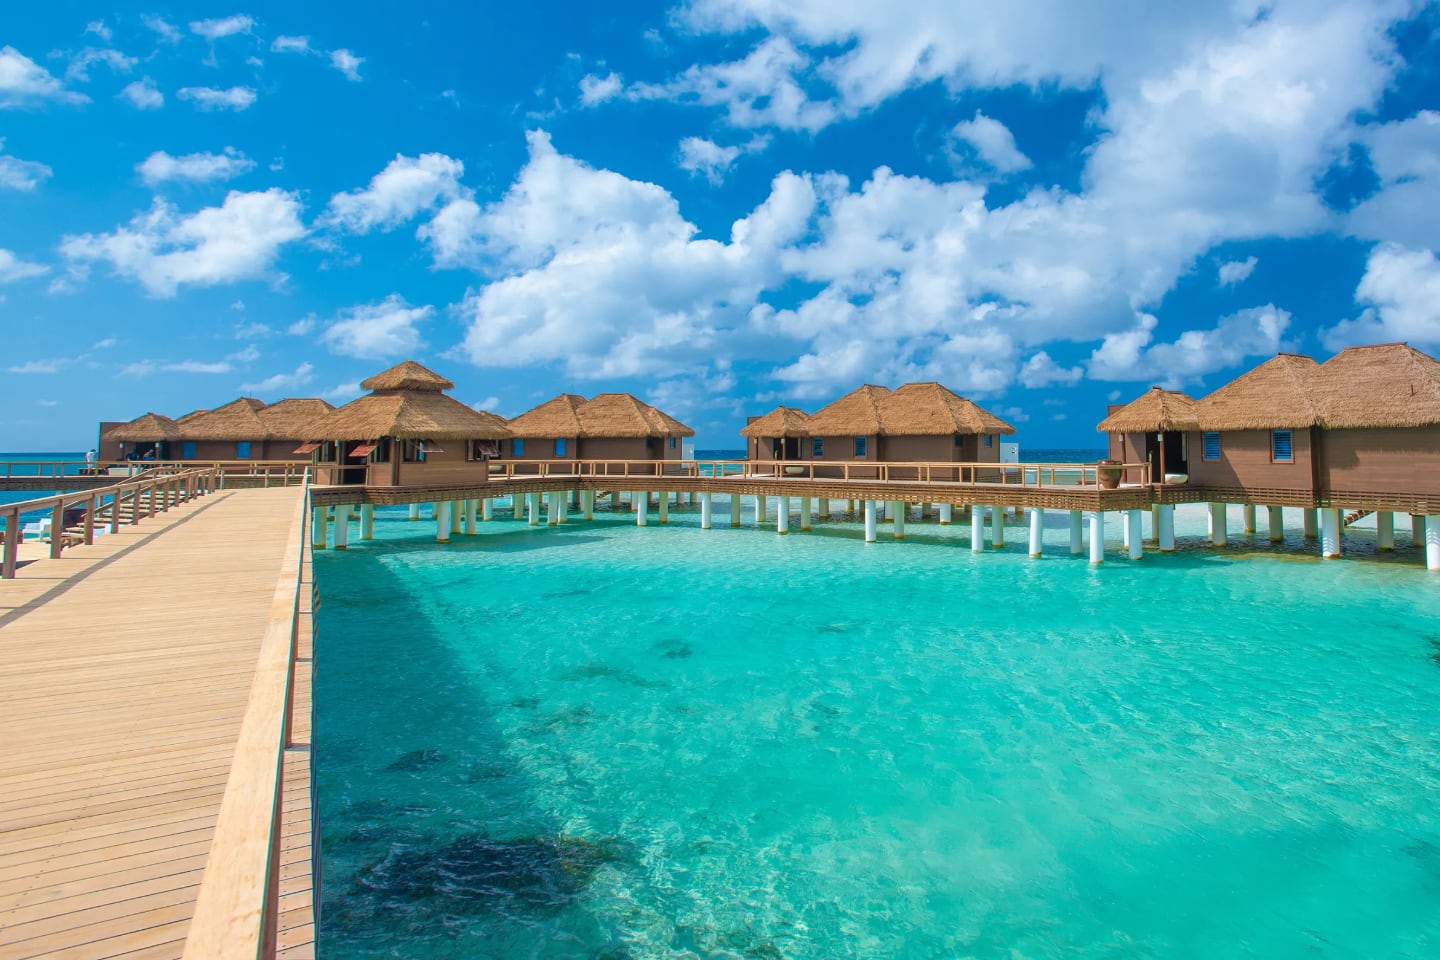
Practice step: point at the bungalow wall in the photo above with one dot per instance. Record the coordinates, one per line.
(448, 465)
(1401, 461)
(1245, 464)
(630, 448)
(206, 450)
(108, 450)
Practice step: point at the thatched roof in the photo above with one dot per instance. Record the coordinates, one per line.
(1384, 385)
(408, 415)
(289, 418)
(780, 422)
(1155, 411)
(1277, 395)
(912, 410)
(189, 416)
(149, 428)
(408, 375)
(606, 415)
(236, 420)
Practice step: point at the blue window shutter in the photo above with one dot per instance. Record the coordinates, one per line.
(559, 448)
(817, 446)
(187, 450)
(1212, 446)
(242, 450)
(1282, 448)
(517, 447)
(989, 440)
(860, 443)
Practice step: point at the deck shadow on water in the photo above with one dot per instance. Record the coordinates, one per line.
(424, 852)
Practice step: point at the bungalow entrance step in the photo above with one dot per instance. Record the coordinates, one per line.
(1355, 515)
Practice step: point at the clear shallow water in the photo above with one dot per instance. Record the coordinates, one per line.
(599, 741)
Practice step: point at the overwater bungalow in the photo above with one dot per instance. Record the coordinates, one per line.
(405, 431)
(780, 434)
(1153, 429)
(611, 426)
(232, 431)
(151, 435)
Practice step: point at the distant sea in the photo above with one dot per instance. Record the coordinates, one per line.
(15, 496)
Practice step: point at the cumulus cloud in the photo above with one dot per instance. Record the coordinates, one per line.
(595, 89)
(281, 382)
(164, 31)
(1040, 370)
(708, 159)
(406, 187)
(284, 44)
(12, 268)
(98, 28)
(213, 98)
(1236, 271)
(162, 249)
(377, 331)
(1401, 291)
(143, 94)
(46, 366)
(992, 142)
(1234, 340)
(24, 83)
(347, 63)
(80, 63)
(1406, 157)
(161, 167)
(17, 174)
(219, 27)
(228, 364)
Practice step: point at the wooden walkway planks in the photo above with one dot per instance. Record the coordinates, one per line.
(125, 669)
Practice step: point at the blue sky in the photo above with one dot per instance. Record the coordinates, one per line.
(718, 205)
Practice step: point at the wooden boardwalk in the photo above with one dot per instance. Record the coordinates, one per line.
(125, 669)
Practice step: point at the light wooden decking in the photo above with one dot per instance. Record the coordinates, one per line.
(125, 668)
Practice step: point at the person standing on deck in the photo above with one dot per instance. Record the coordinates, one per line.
(90, 458)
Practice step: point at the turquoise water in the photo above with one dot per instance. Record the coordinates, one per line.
(20, 459)
(597, 741)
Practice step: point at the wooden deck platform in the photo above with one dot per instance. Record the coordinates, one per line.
(125, 670)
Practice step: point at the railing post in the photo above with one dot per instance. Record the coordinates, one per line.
(57, 529)
(90, 506)
(12, 544)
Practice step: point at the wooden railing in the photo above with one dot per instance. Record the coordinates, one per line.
(269, 471)
(75, 516)
(237, 910)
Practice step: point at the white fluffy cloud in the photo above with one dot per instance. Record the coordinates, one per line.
(347, 63)
(1402, 290)
(1236, 271)
(1406, 157)
(213, 98)
(281, 382)
(80, 64)
(1235, 339)
(12, 268)
(23, 82)
(162, 29)
(712, 161)
(594, 89)
(377, 331)
(1040, 370)
(992, 142)
(407, 186)
(17, 174)
(163, 250)
(284, 44)
(143, 94)
(219, 27)
(161, 167)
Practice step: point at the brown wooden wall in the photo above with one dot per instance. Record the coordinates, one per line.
(1396, 461)
(1245, 462)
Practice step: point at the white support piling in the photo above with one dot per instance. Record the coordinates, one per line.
(1307, 517)
(1432, 543)
(1125, 530)
(1132, 520)
(925, 509)
(1384, 530)
(1247, 513)
(442, 521)
(1219, 534)
(1154, 522)
(997, 527)
(1166, 537)
(565, 499)
(869, 521)
(1077, 533)
(1275, 523)
(587, 504)
(552, 509)
(342, 527)
(642, 509)
(1097, 537)
(457, 516)
(317, 529)
(664, 508)
(947, 514)
(977, 529)
(1330, 521)
(367, 521)
(487, 509)
(782, 515)
(824, 508)
(534, 504)
(470, 511)
(1417, 528)
(734, 509)
(414, 511)
(805, 507)
(897, 511)
(1037, 531)
(705, 511)
(762, 507)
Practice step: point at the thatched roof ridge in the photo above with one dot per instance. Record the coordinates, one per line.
(236, 420)
(929, 409)
(190, 416)
(408, 415)
(780, 422)
(855, 414)
(1154, 411)
(624, 415)
(147, 428)
(1277, 395)
(554, 418)
(288, 418)
(1384, 385)
(408, 375)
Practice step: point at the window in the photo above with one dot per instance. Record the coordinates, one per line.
(1211, 448)
(989, 440)
(859, 447)
(649, 443)
(517, 447)
(959, 440)
(412, 451)
(559, 448)
(1282, 449)
(187, 450)
(817, 446)
(242, 450)
(672, 443)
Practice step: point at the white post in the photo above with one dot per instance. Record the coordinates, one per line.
(1154, 521)
(977, 529)
(1307, 515)
(642, 509)
(897, 509)
(587, 504)
(1417, 529)
(664, 508)
(1247, 512)
(997, 527)
(824, 508)
(869, 521)
(414, 511)
(457, 516)
(367, 521)
(317, 528)
(782, 515)
(734, 509)
(705, 511)
(487, 509)
(1219, 535)
(761, 509)
(1077, 533)
(565, 498)
(1167, 527)
(805, 513)
(947, 514)
(1125, 530)
(1136, 550)
(552, 509)
(1276, 524)
(342, 527)
(1037, 531)
(442, 521)
(470, 506)
(1097, 537)
(1432, 543)
(1384, 530)
(1330, 533)
(534, 504)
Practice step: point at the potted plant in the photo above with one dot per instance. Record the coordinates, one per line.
(1108, 473)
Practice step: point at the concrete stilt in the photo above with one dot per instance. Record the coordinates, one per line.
(1275, 523)
(869, 521)
(1432, 543)
(487, 509)
(824, 508)
(552, 509)
(1037, 531)
(782, 515)
(664, 508)
(705, 508)
(534, 504)
(805, 513)
(442, 521)
(1417, 529)
(457, 516)
(1132, 520)
(1166, 537)
(1077, 533)
(1097, 537)
(1154, 522)
(925, 511)
(977, 529)
(897, 511)
(470, 511)
(587, 504)
(1384, 530)
(1307, 516)
(734, 509)
(414, 511)
(565, 499)
(642, 509)
(317, 528)
(1330, 521)
(1247, 513)
(367, 521)
(1125, 530)
(342, 527)
(1219, 535)
(997, 527)
(762, 508)
(947, 514)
